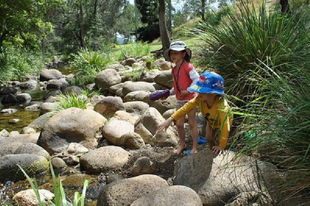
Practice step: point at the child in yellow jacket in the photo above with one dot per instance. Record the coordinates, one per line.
(213, 106)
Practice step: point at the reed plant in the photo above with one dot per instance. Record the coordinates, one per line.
(60, 198)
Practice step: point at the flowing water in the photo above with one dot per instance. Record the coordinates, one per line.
(8, 189)
(25, 117)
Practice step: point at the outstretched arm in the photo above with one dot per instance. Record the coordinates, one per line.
(165, 124)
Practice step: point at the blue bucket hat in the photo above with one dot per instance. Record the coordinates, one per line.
(209, 82)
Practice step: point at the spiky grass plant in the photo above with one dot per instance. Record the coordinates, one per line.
(280, 117)
(86, 64)
(252, 35)
(60, 198)
(66, 101)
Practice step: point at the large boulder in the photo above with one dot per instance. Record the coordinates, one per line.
(126, 191)
(147, 129)
(104, 159)
(176, 195)
(137, 86)
(107, 78)
(48, 74)
(32, 148)
(224, 178)
(32, 164)
(71, 125)
(107, 106)
(114, 129)
(10, 144)
(164, 78)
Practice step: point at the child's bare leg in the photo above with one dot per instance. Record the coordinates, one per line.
(181, 133)
(210, 135)
(194, 129)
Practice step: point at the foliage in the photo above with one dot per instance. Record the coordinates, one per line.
(127, 20)
(16, 63)
(149, 18)
(22, 22)
(280, 116)
(59, 192)
(249, 37)
(88, 24)
(66, 101)
(86, 64)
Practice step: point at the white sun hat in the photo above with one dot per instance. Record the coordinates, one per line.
(177, 46)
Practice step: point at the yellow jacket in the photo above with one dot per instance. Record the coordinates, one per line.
(219, 115)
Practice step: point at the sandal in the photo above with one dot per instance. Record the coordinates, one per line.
(189, 152)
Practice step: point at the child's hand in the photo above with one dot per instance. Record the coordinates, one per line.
(163, 126)
(184, 93)
(217, 150)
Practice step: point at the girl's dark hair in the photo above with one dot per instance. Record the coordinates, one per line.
(187, 58)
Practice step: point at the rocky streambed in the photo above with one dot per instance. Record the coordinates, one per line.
(114, 145)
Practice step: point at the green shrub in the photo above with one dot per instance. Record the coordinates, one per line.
(16, 63)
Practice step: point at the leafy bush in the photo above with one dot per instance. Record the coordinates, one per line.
(16, 63)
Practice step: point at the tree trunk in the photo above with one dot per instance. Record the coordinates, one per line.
(81, 29)
(285, 7)
(170, 17)
(3, 36)
(165, 40)
(203, 5)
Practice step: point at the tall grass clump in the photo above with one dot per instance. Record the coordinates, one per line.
(60, 198)
(250, 36)
(66, 101)
(16, 63)
(86, 64)
(280, 118)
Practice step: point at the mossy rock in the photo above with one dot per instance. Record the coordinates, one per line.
(32, 164)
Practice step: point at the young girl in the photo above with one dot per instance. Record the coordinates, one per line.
(184, 75)
(213, 106)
